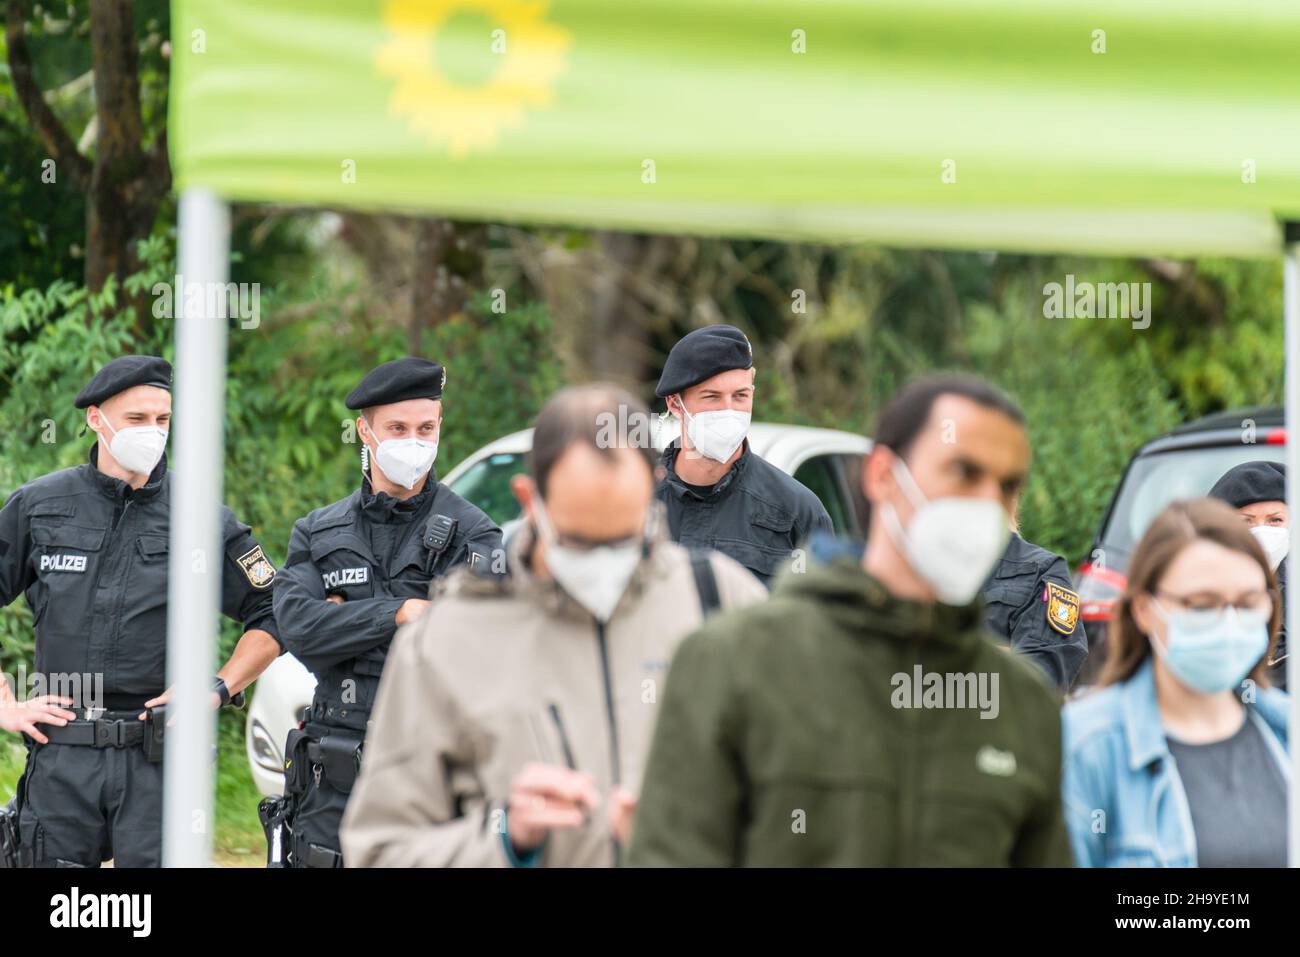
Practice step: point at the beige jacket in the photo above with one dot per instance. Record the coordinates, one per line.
(483, 683)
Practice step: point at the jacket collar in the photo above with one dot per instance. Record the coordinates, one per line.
(862, 604)
(1144, 731)
(382, 508)
(682, 490)
(116, 489)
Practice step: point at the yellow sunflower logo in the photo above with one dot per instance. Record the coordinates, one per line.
(430, 41)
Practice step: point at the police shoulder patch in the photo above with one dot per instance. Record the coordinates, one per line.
(1062, 608)
(257, 569)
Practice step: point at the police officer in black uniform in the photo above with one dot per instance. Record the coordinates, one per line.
(1258, 491)
(1029, 602)
(718, 493)
(89, 546)
(356, 570)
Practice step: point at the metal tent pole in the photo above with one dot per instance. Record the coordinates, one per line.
(196, 562)
(1291, 314)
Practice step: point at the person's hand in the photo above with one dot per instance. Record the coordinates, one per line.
(166, 696)
(23, 716)
(622, 809)
(546, 797)
(337, 599)
(411, 609)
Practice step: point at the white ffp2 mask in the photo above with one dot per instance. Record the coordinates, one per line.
(716, 435)
(1276, 542)
(953, 543)
(595, 577)
(138, 448)
(406, 461)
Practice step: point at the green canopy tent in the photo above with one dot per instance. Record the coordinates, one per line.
(1159, 127)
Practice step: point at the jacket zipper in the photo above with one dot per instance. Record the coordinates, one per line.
(110, 651)
(613, 723)
(564, 738)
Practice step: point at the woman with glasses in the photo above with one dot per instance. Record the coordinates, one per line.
(1179, 758)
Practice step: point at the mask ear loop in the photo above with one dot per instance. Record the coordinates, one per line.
(542, 519)
(907, 482)
(86, 427)
(1156, 643)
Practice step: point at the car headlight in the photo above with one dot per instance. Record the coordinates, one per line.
(265, 752)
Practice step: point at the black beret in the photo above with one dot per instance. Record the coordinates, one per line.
(1251, 482)
(123, 373)
(702, 354)
(397, 381)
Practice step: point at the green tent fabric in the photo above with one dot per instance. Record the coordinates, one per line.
(1115, 126)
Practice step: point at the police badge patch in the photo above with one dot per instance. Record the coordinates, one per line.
(257, 569)
(1062, 608)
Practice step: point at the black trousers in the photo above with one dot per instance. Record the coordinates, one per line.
(320, 803)
(316, 825)
(83, 806)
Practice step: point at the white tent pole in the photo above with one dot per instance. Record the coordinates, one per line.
(1291, 314)
(194, 573)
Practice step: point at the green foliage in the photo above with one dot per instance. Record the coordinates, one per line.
(1093, 389)
(42, 223)
(1087, 410)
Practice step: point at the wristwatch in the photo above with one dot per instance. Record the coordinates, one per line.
(223, 691)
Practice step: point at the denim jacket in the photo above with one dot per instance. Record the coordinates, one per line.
(1124, 801)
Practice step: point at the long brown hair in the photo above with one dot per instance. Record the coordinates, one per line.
(1178, 526)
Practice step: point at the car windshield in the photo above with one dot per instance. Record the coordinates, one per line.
(1156, 480)
(486, 484)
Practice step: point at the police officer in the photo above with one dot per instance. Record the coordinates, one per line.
(718, 493)
(89, 546)
(1257, 490)
(358, 569)
(1028, 602)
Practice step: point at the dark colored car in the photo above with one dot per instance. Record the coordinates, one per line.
(1185, 463)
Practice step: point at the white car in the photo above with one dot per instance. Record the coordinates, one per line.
(825, 460)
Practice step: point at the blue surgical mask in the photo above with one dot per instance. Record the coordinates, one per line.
(1212, 650)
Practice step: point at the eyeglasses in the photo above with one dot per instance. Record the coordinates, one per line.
(578, 542)
(1254, 603)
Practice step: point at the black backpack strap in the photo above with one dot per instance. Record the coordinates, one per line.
(706, 584)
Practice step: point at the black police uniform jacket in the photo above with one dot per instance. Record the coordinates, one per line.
(1029, 602)
(375, 552)
(755, 514)
(91, 555)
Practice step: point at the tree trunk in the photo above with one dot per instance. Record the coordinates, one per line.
(126, 184)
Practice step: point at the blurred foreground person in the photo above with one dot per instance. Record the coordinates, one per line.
(1029, 602)
(718, 493)
(513, 719)
(1257, 490)
(1174, 761)
(863, 716)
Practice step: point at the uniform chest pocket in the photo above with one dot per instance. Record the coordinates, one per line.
(149, 568)
(411, 571)
(65, 559)
(1012, 588)
(64, 550)
(761, 559)
(344, 565)
(152, 549)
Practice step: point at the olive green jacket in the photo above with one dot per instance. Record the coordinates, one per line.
(783, 739)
